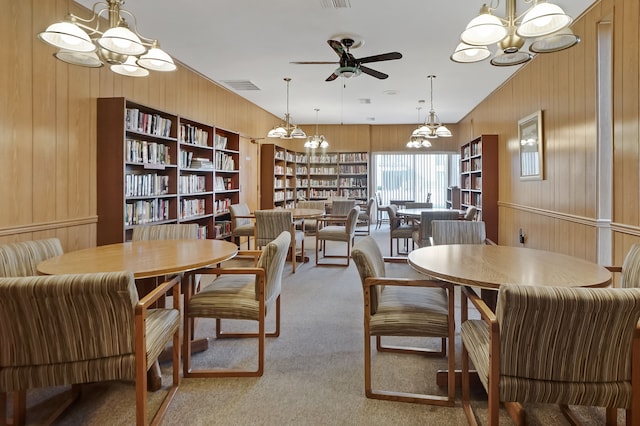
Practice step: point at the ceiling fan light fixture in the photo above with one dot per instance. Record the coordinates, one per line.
(348, 72)
(466, 53)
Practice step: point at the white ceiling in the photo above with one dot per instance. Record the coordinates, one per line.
(256, 40)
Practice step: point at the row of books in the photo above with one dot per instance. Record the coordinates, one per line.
(323, 158)
(152, 124)
(221, 228)
(353, 170)
(224, 161)
(219, 141)
(354, 157)
(353, 182)
(147, 152)
(222, 205)
(193, 135)
(353, 193)
(192, 207)
(192, 184)
(142, 212)
(322, 170)
(323, 183)
(223, 183)
(143, 185)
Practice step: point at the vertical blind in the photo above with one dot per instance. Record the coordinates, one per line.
(414, 176)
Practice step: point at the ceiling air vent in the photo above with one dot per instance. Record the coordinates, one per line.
(240, 84)
(335, 4)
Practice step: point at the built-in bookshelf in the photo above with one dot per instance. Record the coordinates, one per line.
(479, 180)
(156, 167)
(227, 179)
(288, 176)
(453, 197)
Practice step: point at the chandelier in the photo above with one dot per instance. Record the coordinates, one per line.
(83, 42)
(432, 127)
(316, 141)
(545, 23)
(287, 130)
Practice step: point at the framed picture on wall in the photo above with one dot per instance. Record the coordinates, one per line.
(531, 147)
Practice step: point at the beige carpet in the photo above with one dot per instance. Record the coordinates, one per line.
(313, 371)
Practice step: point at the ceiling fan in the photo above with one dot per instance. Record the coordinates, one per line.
(351, 66)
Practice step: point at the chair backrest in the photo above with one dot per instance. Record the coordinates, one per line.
(458, 232)
(272, 260)
(393, 217)
(316, 205)
(342, 207)
(21, 259)
(566, 334)
(416, 205)
(427, 217)
(270, 224)
(182, 231)
(470, 214)
(368, 258)
(352, 220)
(631, 268)
(236, 210)
(50, 321)
(379, 199)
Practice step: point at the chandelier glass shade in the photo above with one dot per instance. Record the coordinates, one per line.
(315, 141)
(87, 43)
(432, 127)
(287, 130)
(546, 24)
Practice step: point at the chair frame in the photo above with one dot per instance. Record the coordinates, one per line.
(322, 242)
(293, 255)
(366, 223)
(261, 334)
(515, 409)
(448, 400)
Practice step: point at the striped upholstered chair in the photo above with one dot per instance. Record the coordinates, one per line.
(334, 228)
(270, 223)
(21, 259)
(411, 305)
(241, 223)
(459, 232)
(566, 346)
(180, 231)
(239, 294)
(630, 268)
(311, 225)
(422, 235)
(72, 329)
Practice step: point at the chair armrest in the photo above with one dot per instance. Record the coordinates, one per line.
(614, 268)
(485, 313)
(148, 300)
(407, 282)
(395, 259)
(229, 271)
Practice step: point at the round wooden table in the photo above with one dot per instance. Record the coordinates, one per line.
(416, 213)
(491, 266)
(145, 259)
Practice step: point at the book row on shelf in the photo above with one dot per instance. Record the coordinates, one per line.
(142, 212)
(224, 161)
(193, 135)
(219, 141)
(472, 198)
(323, 183)
(191, 184)
(192, 207)
(222, 205)
(152, 124)
(353, 169)
(323, 158)
(322, 170)
(223, 183)
(147, 152)
(360, 181)
(354, 157)
(145, 185)
(353, 193)
(221, 228)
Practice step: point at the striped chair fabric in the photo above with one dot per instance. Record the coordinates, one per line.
(422, 236)
(631, 268)
(182, 231)
(21, 259)
(241, 294)
(568, 346)
(398, 230)
(458, 232)
(271, 223)
(311, 224)
(364, 218)
(70, 329)
(241, 223)
(342, 207)
(339, 232)
(410, 305)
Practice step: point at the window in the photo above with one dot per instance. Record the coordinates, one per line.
(414, 176)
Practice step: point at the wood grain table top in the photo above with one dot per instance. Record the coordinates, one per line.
(144, 258)
(490, 266)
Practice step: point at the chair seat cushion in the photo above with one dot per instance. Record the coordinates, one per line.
(229, 296)
(475, 337)
(244, 230)
(161, 324)
(411, 311)
(333, 233)
(402, 231)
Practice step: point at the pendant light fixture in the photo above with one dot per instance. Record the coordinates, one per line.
(287, 130)
(85, 42)
(432, 127)
(417, 140)
(316, 141)
(545, 23)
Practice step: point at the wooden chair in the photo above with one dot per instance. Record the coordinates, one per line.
(399, 230)
(311, 225)
(241, 223)
(413, 306)
(567, 346)
(21, 259)
(271, 223)
(422, 235)
(364, 218)
(459, 232)
(240, 294)
(342, 207)
(336, 229)
(630, 268)
(380, 209)
(70, 329)
(182, 231)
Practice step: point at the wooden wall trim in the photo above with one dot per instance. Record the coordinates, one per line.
(625, 229)
(557, 215)
(48, 226)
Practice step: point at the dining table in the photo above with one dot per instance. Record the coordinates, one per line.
(489, 267)
(147, 260)
(417, 212)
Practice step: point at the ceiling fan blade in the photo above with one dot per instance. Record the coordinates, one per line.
(374, 73)
(313, 63)
(332, 77)
(337, 47)
(383, 57)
